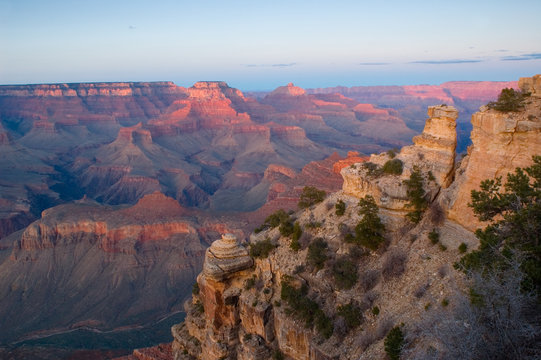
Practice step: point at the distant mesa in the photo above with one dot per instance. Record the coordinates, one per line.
(290, 90)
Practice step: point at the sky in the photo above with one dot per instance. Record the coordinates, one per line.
(259, 45)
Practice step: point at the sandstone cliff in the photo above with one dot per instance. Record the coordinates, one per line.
(501, 142)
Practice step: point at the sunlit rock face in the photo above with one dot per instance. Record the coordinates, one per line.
(434, 148)
(531, 85)
(501, 142)
(433, 153)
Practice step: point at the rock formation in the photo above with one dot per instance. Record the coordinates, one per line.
(500, 143)
(433, 153)
(531, 85)
(225, 257)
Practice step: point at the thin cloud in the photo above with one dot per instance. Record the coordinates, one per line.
(132, 27)
(271, 65)
(532, 56)
(374, 63)
(445, 62)
(284, 65)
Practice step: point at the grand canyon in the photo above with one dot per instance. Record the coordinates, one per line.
(115, 196)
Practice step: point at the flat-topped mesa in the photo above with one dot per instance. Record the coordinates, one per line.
(225, 257)
(90, 89)
(433, 153)
(531, 85)
(290, 90)
(213, 89)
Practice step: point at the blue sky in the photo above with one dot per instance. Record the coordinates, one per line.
(259, 45)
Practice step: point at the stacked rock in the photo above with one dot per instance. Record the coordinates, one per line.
(224, 257)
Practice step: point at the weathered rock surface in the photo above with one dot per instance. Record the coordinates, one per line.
(531, 85)
(501, 142)
(225, 257)
(433, 153)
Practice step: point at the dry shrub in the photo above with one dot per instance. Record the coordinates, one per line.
(344, 229)
(329, 205)
(368, 300)
(373, 335)
(305, 239)
(340, 327)
(394, 264)
(443, 270)
(436, 215)
(369, 279)
(421, 290)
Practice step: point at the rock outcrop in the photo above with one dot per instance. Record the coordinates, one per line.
(225, 257)
(501, 142)
(531, 85)
(433, 153)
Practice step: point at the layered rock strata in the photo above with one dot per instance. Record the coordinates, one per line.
(224, 257)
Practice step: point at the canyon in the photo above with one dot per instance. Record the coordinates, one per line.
(250, 308)
(111, 193)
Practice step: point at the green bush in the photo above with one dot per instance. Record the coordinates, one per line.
(434, 236)
(394, 342)
(352, 315)
(393, 167)
(324, 325)
(277, 355)
(273, 220)
(317, 253)
(369, 231)
(295, 245)
(462, 248)
(261, 249)
(345, 273)
(373, 170)
(340, 207)
(305, 309)
(416, 195)
(286, 229)
(199, 308)
(375, 310)
(392, 153)
(509, 100)
(250, 283)
(195, 288)
(313, 225)
(310, 196)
